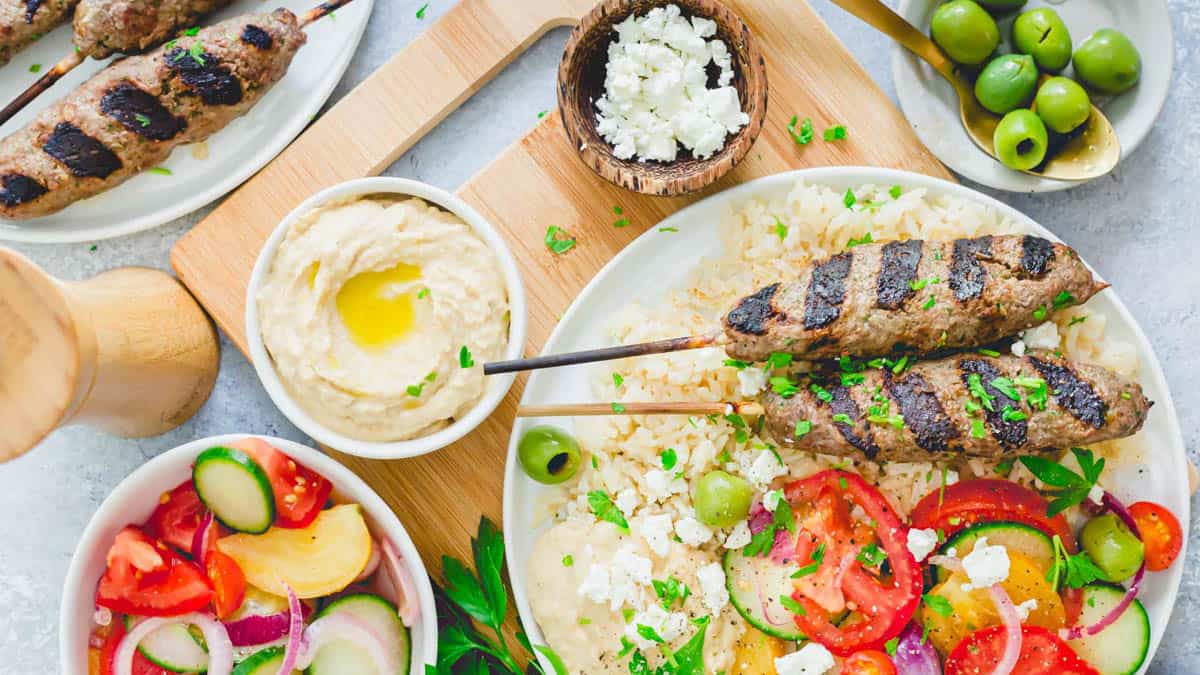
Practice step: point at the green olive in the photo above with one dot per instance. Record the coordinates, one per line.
(1006, 83)
(549, 455)
(721, 499)
(1062, 104)
(1042, 34)
(965, 31)
(1114, 549)
(1003, 5)
(1108, 62)
(1020, 140)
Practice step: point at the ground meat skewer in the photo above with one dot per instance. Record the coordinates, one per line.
(131, 115)
(22, 22)
(957, 406)
(910, 296)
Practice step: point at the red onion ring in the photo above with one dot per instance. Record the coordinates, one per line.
(782, 549)
(258, 629)
(295, 631)
(759, 518)
(220, 650)
(344, 626)
(1012, 630)
(407, 603)
(765, 601)
(913, 657)
(372, 563)
(1076, 632)
(201, 538)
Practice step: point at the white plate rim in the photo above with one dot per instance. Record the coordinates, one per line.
(241, 170)
(909, 91)
(1150, 370)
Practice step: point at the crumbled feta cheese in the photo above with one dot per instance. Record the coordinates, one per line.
(656, 530)
(668, 625)
(656, 94)
(751, 381)
(1018, 348)
(661, 485)
(692, 531)
(770, 500)
(1044, 336)
(628, 500)
(811, 659)
(628, 574)
(712, 587)
(986, 565)
(595, 586)
(922, 542)
(1096, 495)
(765, 468)
(739, 536)
(1025, 608)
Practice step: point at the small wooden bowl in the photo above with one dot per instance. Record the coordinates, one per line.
(581, 76)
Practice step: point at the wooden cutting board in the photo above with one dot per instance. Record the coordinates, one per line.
(535, 183)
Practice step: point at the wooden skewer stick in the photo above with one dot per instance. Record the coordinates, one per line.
(604, 354)
(749, 409)
(68, 63)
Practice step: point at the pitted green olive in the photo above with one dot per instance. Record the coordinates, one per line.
(1062, 104)
(1108, 62)
(1020, 140)
(1007, 83)
(966, 32)
(1042, 34)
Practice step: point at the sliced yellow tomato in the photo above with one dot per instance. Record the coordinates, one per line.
(756, 652)
(975, 609)
(315, 561)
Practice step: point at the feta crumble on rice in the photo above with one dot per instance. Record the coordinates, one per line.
(751, 381)
(1024, 608)
(770, 500)
(739, 536)
(656, 94)
(985, 565)
(922, 542)
(668, 625)
(693, 532)
(627, 501)
(1096, 495)
(656, 530)
(811, 659)
(712, 587)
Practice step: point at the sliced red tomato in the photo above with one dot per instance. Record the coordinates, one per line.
(300, 493)
(957, 506)
(229, 583)
(177, 517)
(883, 604)
(141, 665)
(868, 662)
(148, 578)
(1161, 534)
(1042, 653)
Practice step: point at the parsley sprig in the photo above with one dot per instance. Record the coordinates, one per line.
(603, 507)
(471, 600)
(1072, 488)
(1076, 570)
(558, 240)
(804, 135)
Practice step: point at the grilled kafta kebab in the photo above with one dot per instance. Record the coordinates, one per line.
(964, 405)
(131, 115)
(910, 296)
(24, 21)
(107, 27)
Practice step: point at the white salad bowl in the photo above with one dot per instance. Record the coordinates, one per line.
(136, 497)
(931, 105)
(497, 385)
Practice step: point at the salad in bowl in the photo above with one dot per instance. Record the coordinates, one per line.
(244, 555)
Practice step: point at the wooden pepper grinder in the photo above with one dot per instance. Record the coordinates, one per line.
(128, 352)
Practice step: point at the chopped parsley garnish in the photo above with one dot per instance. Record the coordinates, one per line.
(822, 393)
(938, 604)
(1009, 414)
(1040, 312)
(1075, 571)
(835, 133)
(621, 222)
(1063, 299)
(1075, 320)
(849, 199)
(543, 114)
(668, 229)
(975, 386)
(865, 239)
(669, 458)
(871, 555)
(918, 284)
(618, 380)
(989, 352)
(142, 120)
(617, 408)
(192, 32)
(843, 418)
(1072, 487)
(628, 614)
(780, 229)
(602, 507)
(670, 591)
(817, 557)
(929, 303)
(423, 293)
(896, 421)
(891, 645)
(93, 248)
(802, 428)
(568, 560)
(649, 633)
(415, 390)
(900, 365)
(1126, 395)
(1003, 467)
(842, 482)
(421, 11)
(852, 379)
(779, 360)
(791, 605)
(1005, 386)
(895, 192)
(804, 135)
(464, 358)
(783, 385)
(37, 67)
(734, 363)
(977, 429)
(160, 170)
(556, 243)
(761, 543)
(1036, 391)
(196, 51)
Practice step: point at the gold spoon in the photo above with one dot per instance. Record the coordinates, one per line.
(1084, 155)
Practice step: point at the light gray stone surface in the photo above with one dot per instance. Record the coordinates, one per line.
(1138, 227)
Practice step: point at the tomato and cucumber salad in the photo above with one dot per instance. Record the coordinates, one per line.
(247, 568)
(1003, 582)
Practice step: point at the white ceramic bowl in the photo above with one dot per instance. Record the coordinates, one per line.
(931, 107)
(135, 498)
(497, 385)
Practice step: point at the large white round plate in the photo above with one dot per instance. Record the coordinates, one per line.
(234, 154)
(931, 107)
(656, 263)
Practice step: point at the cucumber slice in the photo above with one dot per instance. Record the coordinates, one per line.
(1121, 648)
(344, 658)
(235, 488)
(1018, 537)
(172, 647)
(749, 580)
(265, 662)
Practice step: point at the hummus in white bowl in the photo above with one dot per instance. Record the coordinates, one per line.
(379, 311)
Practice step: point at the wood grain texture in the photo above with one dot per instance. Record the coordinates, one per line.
(536, 182)
(581, 77)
